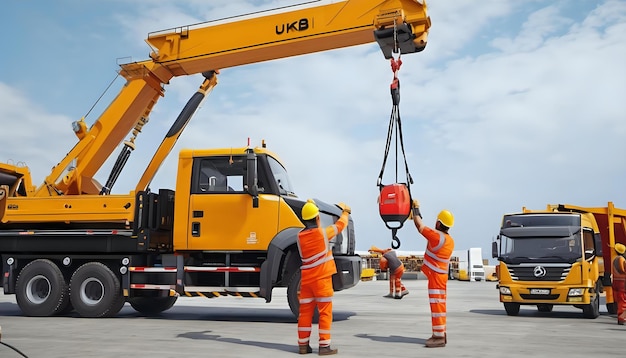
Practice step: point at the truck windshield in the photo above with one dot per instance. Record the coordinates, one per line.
(282, 179)
(545, 248)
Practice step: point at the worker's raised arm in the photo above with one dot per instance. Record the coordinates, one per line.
(378, 250)
(342, 222)
(417, 216)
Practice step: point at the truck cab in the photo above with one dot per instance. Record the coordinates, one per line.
(549, 258)
(236, 231)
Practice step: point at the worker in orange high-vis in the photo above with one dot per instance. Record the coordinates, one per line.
(619, 283)
(390, 261)
(439, 249)
(316, 285)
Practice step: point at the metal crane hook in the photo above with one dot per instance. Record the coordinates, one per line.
(395, 242)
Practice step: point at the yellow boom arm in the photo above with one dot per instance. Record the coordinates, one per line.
(399, 26)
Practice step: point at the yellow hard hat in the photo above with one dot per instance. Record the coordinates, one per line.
(446, 218)
(620, 248)
(310, 210)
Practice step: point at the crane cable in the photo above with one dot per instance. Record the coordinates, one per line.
(395, 122)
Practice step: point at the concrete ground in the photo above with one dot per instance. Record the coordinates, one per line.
(365, 325)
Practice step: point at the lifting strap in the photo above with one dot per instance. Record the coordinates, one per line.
(395, 199)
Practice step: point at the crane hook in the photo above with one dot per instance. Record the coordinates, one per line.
(395, 242)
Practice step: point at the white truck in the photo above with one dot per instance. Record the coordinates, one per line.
(475, 264)
(469, 266)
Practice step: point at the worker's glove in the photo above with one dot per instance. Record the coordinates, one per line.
(415, 211)
(345, 208)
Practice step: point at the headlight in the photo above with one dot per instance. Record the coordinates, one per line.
(505, 290)
(576, 291)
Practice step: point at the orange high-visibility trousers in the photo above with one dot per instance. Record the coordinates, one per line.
(437, 292)
(318, 294)
(395, 281)
(619, 296)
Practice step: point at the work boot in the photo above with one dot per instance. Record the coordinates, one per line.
(434, 342)
(305, 349)
(326, 351)
(399, 296)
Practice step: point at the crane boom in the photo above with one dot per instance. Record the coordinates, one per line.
(399, 26)
(308, 30)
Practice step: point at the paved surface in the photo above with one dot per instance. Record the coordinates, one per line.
(365, 325)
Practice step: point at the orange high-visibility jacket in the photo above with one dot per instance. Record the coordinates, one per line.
(317, 258)
(619, 268)
(438, 251)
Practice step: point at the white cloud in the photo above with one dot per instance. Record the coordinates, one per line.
(511, 104)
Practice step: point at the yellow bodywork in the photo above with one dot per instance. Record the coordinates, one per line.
(230, 221)
(575, 279)
(71, 193)
(584, 273)
(211, 46)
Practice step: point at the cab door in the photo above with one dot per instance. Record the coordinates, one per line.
(221, 212)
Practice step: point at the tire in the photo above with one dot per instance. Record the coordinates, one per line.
(95, 291)
(152, 305)
(545, 307)
(512, 309)
(41, 290)
(592, 310)
(293, 292)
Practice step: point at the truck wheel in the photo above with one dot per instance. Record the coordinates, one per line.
(511, 308)
(41, 290)
(545, 307)
(95, 291)
(592, 310)
(152, 305)
(293, 292)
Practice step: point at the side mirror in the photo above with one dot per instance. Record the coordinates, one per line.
(252, 177)
(494, 249)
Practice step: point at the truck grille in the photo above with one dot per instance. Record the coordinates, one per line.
(539, 271)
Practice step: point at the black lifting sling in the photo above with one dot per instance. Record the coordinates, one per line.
(394, 200)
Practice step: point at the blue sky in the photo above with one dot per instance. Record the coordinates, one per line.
(512, 103)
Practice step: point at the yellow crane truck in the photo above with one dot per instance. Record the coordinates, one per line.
(558, 256)
(229, 227)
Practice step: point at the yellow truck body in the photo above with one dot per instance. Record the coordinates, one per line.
(558, 256)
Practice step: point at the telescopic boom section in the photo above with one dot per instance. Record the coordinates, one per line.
(189, 50)
(399, 26)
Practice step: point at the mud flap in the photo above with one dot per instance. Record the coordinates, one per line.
(348, 272)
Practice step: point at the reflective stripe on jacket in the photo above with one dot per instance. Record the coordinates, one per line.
(314, 248)
(438, 251)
